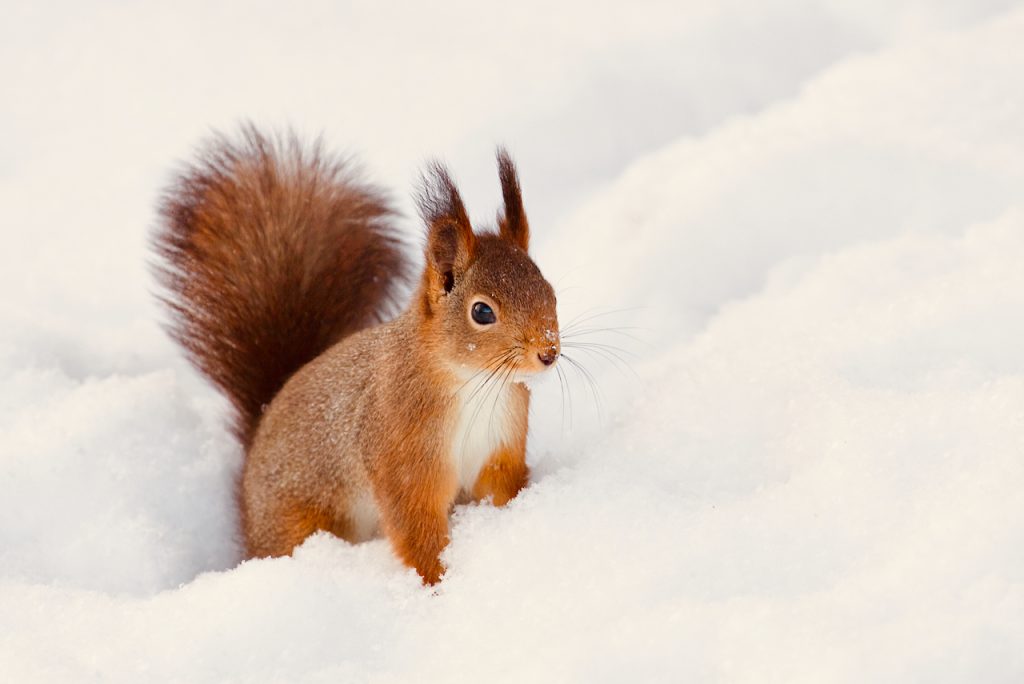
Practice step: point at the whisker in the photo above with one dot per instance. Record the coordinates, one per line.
(492, 377)
(494, 405)
(468, 404)
(507, 356)
(591, 381)
(618, 351)
(486, 384)
(583, 317)
(475, 375)
(563, 383)
(496, 379)
(610, 355)
(569, 333)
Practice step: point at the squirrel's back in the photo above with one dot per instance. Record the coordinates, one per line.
(272, 252)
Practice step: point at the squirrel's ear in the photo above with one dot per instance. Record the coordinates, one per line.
(513, 226)
(450, 239)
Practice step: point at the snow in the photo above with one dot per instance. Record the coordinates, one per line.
(804, 221)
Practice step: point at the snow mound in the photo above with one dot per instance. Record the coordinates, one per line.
(814, 474)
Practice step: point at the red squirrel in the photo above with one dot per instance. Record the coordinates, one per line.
(280, 270)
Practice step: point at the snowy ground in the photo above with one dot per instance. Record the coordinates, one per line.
(809, 218)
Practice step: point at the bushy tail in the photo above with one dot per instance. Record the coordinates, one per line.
(270, 252)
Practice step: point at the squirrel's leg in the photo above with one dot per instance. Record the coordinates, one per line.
(504, 474)
(275, 530)
(414, 511)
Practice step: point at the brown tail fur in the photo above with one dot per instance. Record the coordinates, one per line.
(271, 252)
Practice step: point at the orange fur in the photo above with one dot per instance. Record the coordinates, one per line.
(502, 477)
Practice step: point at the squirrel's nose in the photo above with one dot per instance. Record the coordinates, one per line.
(548, 356)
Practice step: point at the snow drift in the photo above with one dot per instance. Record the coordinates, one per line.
(806, 223)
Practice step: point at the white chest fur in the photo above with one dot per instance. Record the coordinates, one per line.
(482, 419)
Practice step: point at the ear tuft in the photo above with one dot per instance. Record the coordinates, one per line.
(513, 226)
(438, 199)
(450, 239)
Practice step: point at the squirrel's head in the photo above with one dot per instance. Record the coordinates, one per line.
(482, 292)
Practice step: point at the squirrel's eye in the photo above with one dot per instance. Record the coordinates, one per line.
(483, 314)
